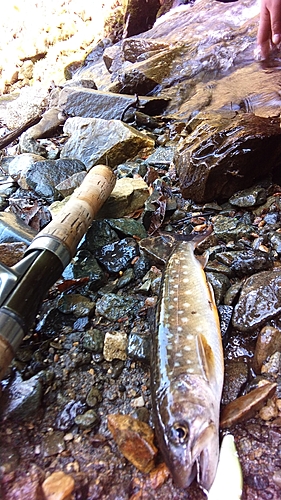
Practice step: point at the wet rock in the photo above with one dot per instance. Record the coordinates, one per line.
(134, 439)
(231, 228)
(249, 197)
(114, 141)
(93, 340)
(236, 375)
(220, 283)
(114, 307)
(127, 196)
(144, 76)
(126, 278)
(128, 227)
(272, 365)
(162, 157)
(115, 345)
(232, 293)
(58, 486)
(87, 420)
(222, 172)
(86, 266)
(75, 304)
(89, 103)
(118, 255)
(138, 347)
(142, 266)
(22, 399)
(275, 240)
(65, 419)
(268, 342)
(246, 406)
(43, 176)
(259, 300)
(53, 443)
(246, 262)
(100, 234)
(225, 315)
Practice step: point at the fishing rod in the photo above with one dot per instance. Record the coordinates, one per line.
(24, 286)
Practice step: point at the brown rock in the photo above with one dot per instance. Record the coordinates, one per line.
(268, 342)
(246, 406)
(58, 486)
(11, 253)
(218, 159)
(134, 439)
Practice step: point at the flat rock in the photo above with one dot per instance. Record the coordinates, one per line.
(89, 103)
(127, 196)
(96, 141)
(134, 439)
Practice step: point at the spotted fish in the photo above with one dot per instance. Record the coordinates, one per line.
(187, 371)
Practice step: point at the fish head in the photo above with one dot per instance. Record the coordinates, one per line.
(188, 432)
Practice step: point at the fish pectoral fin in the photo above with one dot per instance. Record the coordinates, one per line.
(203, 259)
(206, 357)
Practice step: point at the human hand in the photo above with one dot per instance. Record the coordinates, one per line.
(269, 32)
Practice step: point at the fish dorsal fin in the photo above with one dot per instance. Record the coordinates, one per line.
(206, 357)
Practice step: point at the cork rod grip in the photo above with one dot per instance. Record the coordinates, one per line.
(76, 216)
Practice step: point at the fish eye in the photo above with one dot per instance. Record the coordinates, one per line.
(179, 432)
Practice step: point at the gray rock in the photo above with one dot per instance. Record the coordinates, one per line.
(43, 176)
(89, 103)
(113, 142)
(21, 163)
(114, 307)
(13, 229)
(22, 399)
(67, 186)
(259, 301)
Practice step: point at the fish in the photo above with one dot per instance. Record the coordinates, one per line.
(187, 370)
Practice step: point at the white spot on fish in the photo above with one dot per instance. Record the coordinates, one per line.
(176, 286)
(180, 312)
(190, 370)
(179, 329)
(187, 348)
(185, 280)
(188, 292)
(184, 320)
(176, 299)
(189, 336)
(176, 364)
(178, 354)
(186, 305)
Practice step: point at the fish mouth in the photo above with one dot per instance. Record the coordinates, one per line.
(183, 479)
